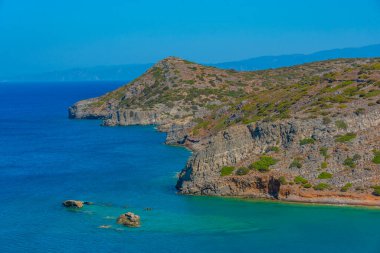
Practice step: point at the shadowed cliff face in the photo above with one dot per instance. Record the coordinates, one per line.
(305, 133)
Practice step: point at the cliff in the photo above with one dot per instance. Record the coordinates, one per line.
(306, 133)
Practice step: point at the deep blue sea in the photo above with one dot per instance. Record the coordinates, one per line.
(46, 158)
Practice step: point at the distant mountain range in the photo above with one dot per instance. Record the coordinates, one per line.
(99, 73)
(268, 62)
(131, 71)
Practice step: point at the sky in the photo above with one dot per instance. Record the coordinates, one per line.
(47, 35)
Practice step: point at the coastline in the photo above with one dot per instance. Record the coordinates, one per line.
(290, 202)
(305, 198)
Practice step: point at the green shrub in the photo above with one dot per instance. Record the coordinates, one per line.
(341, 124)
(263, 164)
(326, 120)
(356, 157)
(300, 180)
(227, 170)
(282, 180)
(324, 165)
(372, 93)
(321, 186)
(351, 91)
(242, 171)
(376, 190)
(272, 149)
(350, 162)
(296, 163)
(359, 111)
(345, 138)
(325, 175)
(307, 185)
(346, 187)
(307, 141)
(189, 81)
(323, 151)
(376, 158)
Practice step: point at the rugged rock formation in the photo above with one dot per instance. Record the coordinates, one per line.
(305, 133)
(73, 203)
(129, 219)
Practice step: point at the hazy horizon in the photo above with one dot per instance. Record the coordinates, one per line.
(43, 36)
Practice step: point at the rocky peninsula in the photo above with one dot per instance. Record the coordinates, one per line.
(308, 133)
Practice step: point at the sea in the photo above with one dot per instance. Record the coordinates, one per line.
(46, 158)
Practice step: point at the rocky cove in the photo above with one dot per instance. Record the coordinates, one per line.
(308, 133)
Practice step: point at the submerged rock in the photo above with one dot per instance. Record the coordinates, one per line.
(73, 203)
(129, 219)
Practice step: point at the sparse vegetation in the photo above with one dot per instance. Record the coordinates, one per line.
(346, 187)
(356, 157)
(340, 124)
(326, 120)
(307, 185)
(307, 141)
(359, 111)
(325, 175)
(376, 158)
(300, 180)
(272, 149)
(345, 138)
(242, 171)
(321, 186)
(323, 151)
(282, 180)
(296, 163)
(351, 161)
(376, 190)
(227, 170)
(263, 164)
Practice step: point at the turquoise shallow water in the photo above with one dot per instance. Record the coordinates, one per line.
(46, 158)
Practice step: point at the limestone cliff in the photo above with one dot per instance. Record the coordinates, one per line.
(305, 133)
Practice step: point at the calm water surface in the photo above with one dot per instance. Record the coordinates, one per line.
(46, 158)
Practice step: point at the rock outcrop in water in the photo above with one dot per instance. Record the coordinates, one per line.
(129, 219)
(73, 203)
(306, 133)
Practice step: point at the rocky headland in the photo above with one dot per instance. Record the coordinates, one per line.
(308, 133)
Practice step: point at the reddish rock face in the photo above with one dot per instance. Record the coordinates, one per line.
(129, 219)
(73, 203)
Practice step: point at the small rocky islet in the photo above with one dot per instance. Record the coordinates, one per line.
(308, 133)
(129, 219)
(73, 203)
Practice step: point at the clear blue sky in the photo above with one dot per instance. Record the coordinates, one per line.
(44, 35)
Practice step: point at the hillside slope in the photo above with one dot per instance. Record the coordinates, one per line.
(305, 133)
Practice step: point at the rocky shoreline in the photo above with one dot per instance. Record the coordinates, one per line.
(328, 158)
